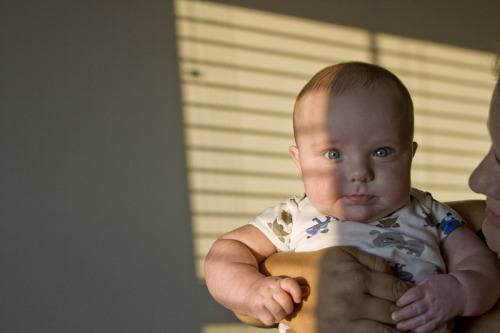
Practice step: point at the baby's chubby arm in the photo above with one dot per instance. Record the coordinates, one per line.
(233, 277)
(470, 288)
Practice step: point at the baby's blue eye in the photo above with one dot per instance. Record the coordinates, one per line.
(382, 152)
(333, 154)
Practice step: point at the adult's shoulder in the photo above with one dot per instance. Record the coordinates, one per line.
(472, 211)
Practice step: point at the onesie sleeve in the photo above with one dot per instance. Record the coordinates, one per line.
(277, 223)
(447, 219)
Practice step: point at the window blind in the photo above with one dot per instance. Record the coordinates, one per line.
(240, 71)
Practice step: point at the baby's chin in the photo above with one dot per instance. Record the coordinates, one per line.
(370, 213)
(357, 214)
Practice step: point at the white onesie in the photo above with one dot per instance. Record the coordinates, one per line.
(409, 239)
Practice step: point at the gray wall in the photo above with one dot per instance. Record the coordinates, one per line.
(95, 226)
(94, 214)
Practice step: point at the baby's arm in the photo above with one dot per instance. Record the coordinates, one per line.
(470, 288)
(233, 277)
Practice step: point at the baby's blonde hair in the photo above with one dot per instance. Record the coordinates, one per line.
(344, 77)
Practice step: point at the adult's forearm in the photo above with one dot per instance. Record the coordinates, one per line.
(304, 267)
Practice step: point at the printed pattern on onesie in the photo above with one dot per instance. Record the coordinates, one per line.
(409, 239)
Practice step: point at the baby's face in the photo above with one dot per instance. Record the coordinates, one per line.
(354, 152)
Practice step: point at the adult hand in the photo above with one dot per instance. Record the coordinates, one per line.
(350, 291)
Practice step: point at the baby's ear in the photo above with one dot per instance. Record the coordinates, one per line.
(294, 151)
(415, 146)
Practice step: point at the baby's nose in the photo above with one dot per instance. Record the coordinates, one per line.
(359, 172)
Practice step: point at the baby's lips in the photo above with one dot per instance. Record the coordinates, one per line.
(360, 199)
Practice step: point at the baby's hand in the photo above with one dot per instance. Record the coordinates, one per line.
(430, 304)
(270, 299)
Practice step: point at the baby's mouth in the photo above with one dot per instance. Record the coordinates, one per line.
(359, 199)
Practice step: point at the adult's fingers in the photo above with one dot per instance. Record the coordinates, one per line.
(385, 286)
(358, 326)
(370, 261)
(355, 287)
(362, 326)
(347, 308)
(361, 271)
(379, 310)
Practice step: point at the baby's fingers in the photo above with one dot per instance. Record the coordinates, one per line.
(409, 312)
(285, 304)
(416, 317)
(270, 313)
(411, 296)
(267, 318)
(419, 325)
(292, 287)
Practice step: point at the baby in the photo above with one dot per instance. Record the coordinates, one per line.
(353, 126)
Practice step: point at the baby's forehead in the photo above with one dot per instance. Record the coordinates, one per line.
(322, 100)
(311, 104)
(320, 108)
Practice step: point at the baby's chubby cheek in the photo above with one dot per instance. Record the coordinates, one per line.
(492, 235)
